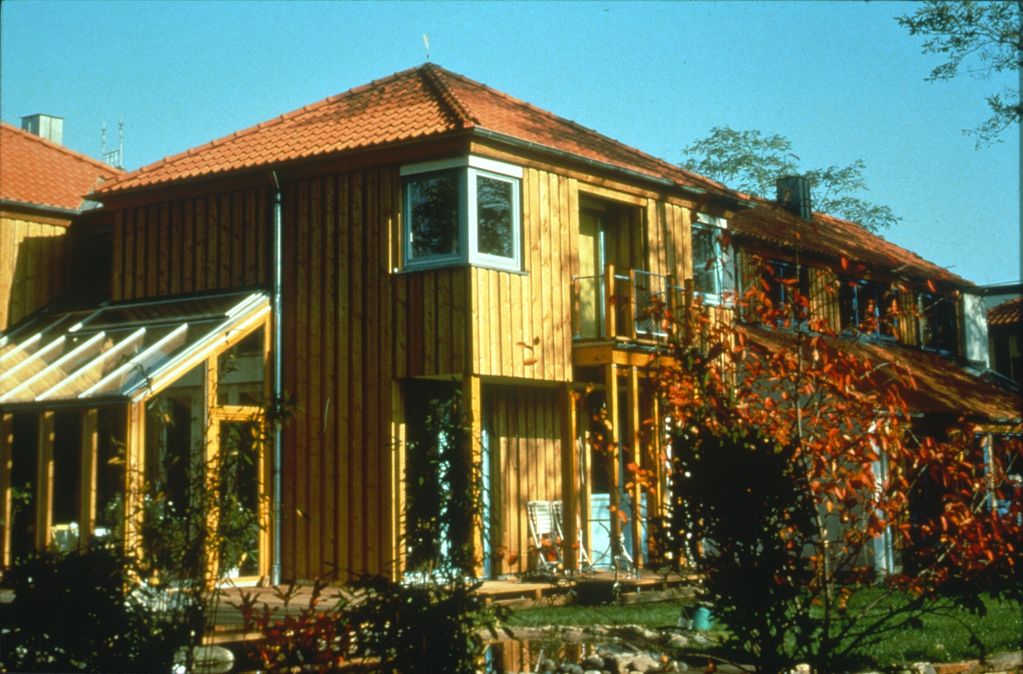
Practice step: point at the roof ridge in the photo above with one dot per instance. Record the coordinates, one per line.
(273, 121)
(580, 127)
(64, 150)
(434, 76)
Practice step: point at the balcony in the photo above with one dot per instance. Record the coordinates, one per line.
(624, 310)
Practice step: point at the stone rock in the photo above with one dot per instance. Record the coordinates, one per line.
(677, 641)
(922, 668)
(1006, 660)
(592, 662)
(592, 671)
(645, 663)
(801, 668)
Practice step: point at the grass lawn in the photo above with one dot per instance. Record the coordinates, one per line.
(945, 636)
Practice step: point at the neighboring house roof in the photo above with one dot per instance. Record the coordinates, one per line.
(1006, 314)
(429, 102)
(933, 384)
(838, 239)
(36, 172)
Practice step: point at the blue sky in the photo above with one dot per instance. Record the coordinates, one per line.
(842, 80)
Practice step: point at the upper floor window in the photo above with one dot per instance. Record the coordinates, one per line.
(938, 323)
(713, 271)
(781, 282)
(462, 210)
(867, 307)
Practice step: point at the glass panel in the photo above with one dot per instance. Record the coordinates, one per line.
(495, 216)
(23, 479)
(134, 369)
(432, 200)
(240, 372)
(110, 471)
(239, 496)
(173, 507)
(705, 260)
(67, 480)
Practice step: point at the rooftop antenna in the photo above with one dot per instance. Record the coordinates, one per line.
(114, 157)
(426, 45)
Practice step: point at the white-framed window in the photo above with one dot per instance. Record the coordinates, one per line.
(713, 266)
(465, 209)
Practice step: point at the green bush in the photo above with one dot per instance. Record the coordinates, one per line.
(75, 612)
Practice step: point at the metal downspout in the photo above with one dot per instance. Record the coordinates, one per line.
(278, 390)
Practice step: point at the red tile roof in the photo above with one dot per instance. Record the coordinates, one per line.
(837, 238)
(422, 102)
(429, 101)
(1006, 314)
(38, 172)
(939, 385)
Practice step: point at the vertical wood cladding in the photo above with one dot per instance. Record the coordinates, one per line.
(512, 308)
(33, 257)
(523, 427)
(339, 333)
(203, 243)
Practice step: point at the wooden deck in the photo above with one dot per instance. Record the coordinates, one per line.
(513, 591)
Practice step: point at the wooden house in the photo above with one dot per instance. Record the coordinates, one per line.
(42, 189)
(430, 235)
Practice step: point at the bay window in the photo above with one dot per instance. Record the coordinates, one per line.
(462, 210)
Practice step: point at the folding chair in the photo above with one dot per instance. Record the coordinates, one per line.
(558, 515)
(544, 535)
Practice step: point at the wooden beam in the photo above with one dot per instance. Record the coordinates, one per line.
(610, 331)
(611, 393)
(6, 466)
(134, 479)
(44, 480)
(569, 477)
(637, 452)
(472, 395)
(89, 445)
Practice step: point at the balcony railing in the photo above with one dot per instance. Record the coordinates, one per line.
(622, 306)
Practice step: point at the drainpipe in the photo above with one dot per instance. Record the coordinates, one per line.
(278, 392)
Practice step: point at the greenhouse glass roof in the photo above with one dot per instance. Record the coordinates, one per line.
(120, 351)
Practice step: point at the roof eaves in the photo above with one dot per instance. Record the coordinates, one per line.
(43, 208)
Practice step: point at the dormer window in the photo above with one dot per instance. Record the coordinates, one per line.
(713, 273)
(462, 210)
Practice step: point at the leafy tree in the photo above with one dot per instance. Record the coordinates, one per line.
(751, 162)
(985, 35)
(792, 458)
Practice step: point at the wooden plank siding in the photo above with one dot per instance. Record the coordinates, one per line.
(339, 309)
(524, 428)
(33, 268)
(199, 244)
(356, 328)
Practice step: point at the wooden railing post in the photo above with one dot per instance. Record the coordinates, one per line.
(608, 303)
(630, 311)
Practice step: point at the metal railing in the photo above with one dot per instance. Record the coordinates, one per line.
(629, 306)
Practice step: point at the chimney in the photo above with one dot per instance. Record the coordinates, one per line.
(45, 126)
(794, 195)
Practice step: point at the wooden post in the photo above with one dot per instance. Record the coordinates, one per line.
(6, 466)
(211, 469)
(657, 507)
(44, 480)
(569, 478)
(473, 400)
(611, 386)
(134, 479)
(637, 490)
(610, 330)
(630, 309)
(398, 445)
(87, 484)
